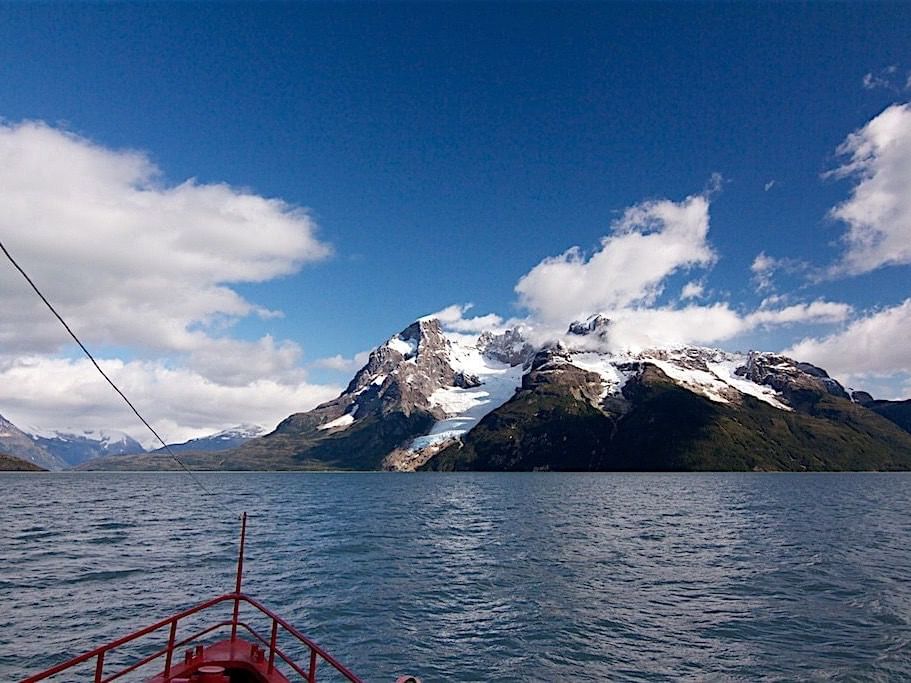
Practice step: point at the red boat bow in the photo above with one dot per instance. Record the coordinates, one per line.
(252, 659)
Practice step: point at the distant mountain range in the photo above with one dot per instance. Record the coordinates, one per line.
(432, 399)
(75, 449)
(53, 450)
(220, 441)
(19, 444)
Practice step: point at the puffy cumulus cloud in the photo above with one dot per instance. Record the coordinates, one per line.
(815, 313)
(878, 212)
(873, 345)
(236, 363)
(648, 243)
(692, 290)
(453, 318)
(641, 328)
(136, 263)
(64, 394)
(340, 363)
(622, 280)
(128, 259)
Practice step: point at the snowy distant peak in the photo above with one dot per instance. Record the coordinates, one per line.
(15, 442)
(510, 347)
(219, 441)
(75, 447)
(107, 438)
(242, 431)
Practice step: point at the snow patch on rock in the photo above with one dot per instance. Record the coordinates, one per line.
(342, 422)
(465, 407)
(607, 366)
(406, 347)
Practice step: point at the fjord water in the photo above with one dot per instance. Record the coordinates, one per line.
(482, 577)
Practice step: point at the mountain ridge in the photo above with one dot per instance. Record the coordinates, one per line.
(438, 399)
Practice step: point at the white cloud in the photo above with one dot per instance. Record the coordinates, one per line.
(55, 393)
(340, 363)
(640, 328)
(769, 185)
(815, 313)
(130, 260)
(878, 213)
(135, 263)
(764, 268)
(235, 363)
(453, 318)
(692, 290)
(647, 244)
(874, 345)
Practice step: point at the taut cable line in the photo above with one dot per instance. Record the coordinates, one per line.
(89, 355)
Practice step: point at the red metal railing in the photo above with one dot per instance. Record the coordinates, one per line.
(271, 645)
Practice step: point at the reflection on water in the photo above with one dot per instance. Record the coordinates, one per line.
(482, 577)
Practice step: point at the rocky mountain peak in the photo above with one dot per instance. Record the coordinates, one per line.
(595, 326)
(400, 375)
(862, 397)
(508, 347)
(388, 356)
(797, 382)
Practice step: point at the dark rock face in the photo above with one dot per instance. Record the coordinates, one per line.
(552, 372)
(389, 401)
(861, 397)
(596, 326)
(393, 381)
(898, 412)
(465, 381)
(8, 463)
(799, 383)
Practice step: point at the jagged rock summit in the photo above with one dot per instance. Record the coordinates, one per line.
(421, 389)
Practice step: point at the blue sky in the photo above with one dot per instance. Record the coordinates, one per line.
(442, 151)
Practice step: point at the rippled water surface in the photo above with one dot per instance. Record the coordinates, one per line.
(482, 577)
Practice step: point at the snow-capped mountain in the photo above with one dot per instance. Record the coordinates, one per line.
(423, 387)
(220, 441)
(15, 442)
(429, 397)
(74, 448)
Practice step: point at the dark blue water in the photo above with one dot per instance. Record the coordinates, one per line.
(482, 577)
